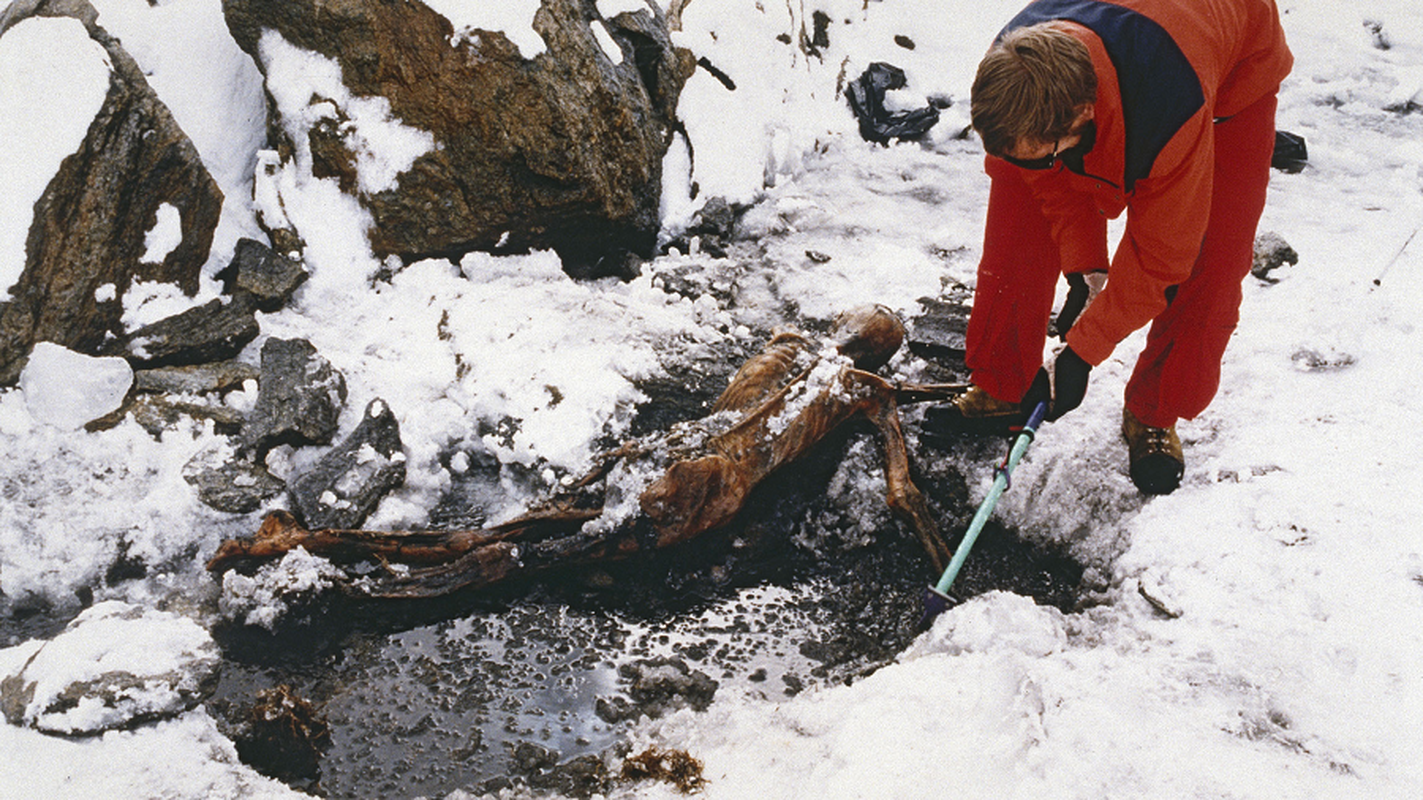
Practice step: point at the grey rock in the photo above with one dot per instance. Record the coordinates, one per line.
(214, 331)
(299, 401)
(1271, 253)
(349, 482)
(159, 414)
(234, 485)
(221, 376)
(268, 276)
(713, 227)
(562, 150)
(90, 224)
(150, 405)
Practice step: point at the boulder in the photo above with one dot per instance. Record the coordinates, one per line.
(116, 665)
(95, 227)
(560, 148)
(348, 482)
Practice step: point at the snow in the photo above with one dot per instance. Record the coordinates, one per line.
(607, 43)
(513, 18)
(612, 8)
(146, 302)
(182, 757)
(1254, 635)
(308, 90)
(263, 598)
(165, 235)
(53, 80)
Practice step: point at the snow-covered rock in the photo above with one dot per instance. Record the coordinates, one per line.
(115, 665)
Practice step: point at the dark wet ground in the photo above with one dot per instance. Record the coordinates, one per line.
(533, 684)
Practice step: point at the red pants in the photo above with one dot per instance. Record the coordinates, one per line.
(1178, 372)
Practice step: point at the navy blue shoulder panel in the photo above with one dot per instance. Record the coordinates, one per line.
(1160, 90)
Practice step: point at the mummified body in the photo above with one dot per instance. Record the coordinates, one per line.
(659, 491)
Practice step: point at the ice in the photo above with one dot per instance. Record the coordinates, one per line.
(68, 389)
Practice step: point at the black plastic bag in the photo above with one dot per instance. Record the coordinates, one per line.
(877, 124)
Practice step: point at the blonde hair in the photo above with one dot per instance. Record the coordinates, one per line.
(1031, 86)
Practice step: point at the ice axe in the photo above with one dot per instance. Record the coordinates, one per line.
(937, 599)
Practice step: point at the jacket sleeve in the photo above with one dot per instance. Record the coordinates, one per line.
(1166, 221)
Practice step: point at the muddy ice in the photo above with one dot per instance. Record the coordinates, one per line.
(537, 685)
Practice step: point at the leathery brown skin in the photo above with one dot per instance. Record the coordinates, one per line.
(694, 494)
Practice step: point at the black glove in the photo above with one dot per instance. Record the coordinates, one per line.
(1061, 383)
(1082, 289)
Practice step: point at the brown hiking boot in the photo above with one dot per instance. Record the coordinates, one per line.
(974, 411)
(1154, 454)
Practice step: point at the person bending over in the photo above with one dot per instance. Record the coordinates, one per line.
(1161, 109)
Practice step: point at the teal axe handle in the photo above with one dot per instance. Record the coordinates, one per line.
(985, 509)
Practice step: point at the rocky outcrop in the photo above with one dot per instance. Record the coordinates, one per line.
(91, 224)
(559, 150)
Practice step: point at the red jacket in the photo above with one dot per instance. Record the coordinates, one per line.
(1166, 69)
